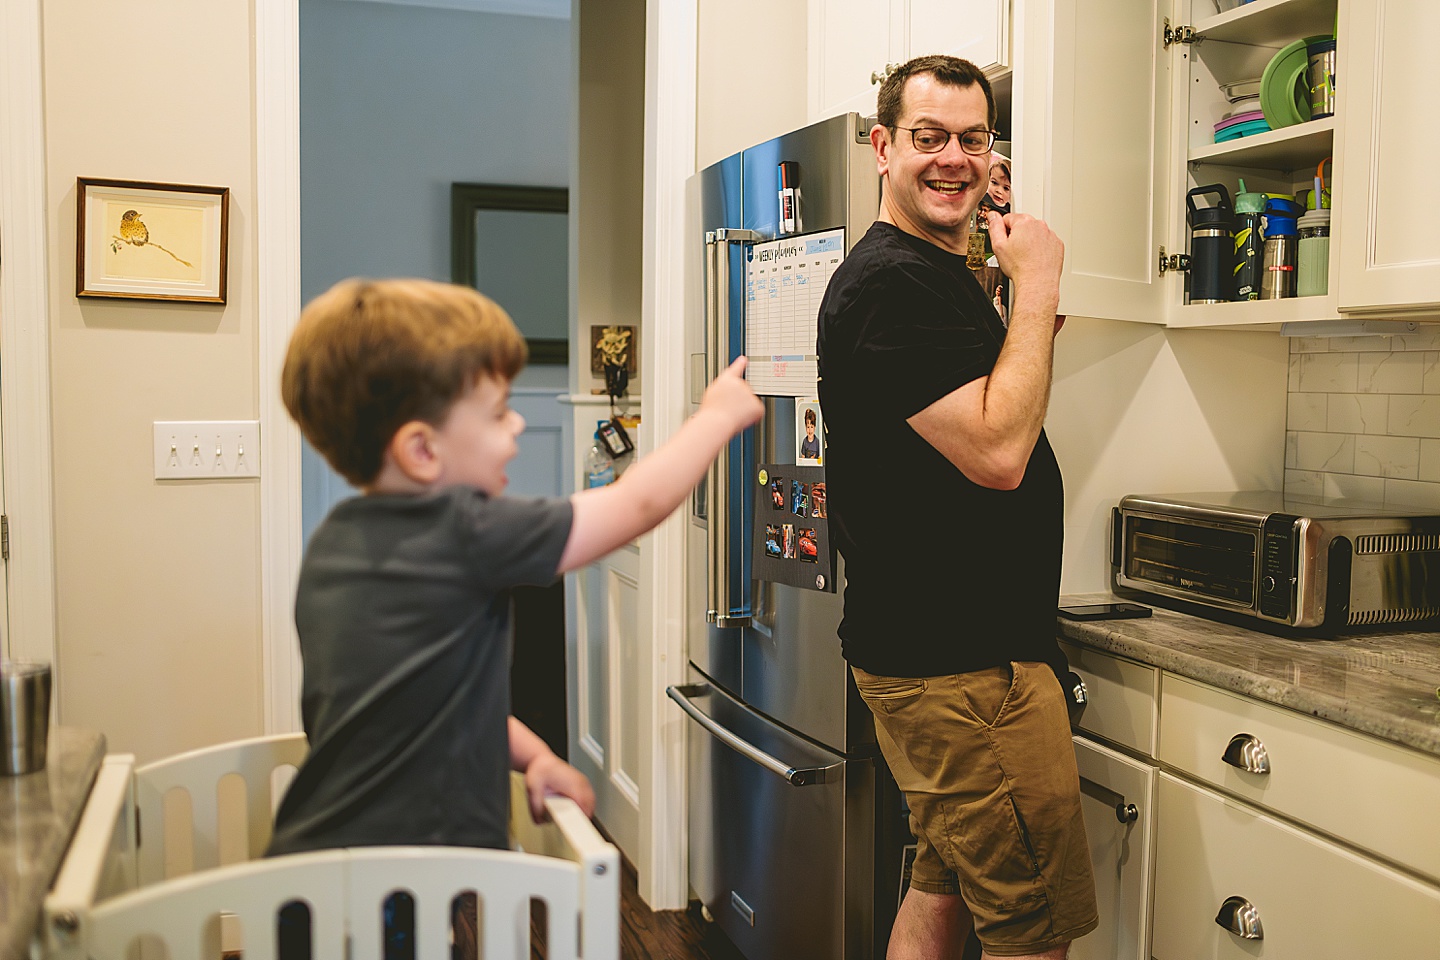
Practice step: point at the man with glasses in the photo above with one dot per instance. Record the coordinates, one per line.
(949, 623)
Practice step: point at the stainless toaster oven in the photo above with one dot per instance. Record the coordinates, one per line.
(1303, 562)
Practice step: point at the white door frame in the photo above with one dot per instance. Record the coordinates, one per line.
(277, 257)
(25, 336)
(670, 87)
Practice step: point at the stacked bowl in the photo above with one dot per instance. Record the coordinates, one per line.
(1244, 116)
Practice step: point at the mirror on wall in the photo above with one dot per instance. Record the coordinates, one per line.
(512, 244)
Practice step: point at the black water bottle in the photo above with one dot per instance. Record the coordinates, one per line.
(1212, 246)
(1249, 207)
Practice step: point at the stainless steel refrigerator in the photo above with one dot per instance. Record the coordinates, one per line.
(797, 836)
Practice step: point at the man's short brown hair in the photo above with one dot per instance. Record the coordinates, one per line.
(369, 356)
(951, 71)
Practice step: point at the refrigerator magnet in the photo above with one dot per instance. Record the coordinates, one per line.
(809, 434)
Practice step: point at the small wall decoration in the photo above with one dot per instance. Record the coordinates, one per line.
(153, 241)
(615, 356)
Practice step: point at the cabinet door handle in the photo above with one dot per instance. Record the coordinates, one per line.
(1246, 752)
(1125, 812)
(1240, 917)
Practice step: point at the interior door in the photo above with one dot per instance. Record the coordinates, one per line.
(1095, 80)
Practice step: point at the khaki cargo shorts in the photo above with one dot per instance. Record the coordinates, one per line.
(988, 767)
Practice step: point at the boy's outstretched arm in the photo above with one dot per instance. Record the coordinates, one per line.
(606, 517)
(545, 773)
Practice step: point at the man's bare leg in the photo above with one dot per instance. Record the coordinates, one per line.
(929, 926)
(933, 926)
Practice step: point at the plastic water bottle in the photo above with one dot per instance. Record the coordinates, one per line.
(599, 468)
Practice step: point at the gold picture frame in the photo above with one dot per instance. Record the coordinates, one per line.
(135, 239)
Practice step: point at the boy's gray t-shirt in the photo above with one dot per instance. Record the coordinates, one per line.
(403, 612)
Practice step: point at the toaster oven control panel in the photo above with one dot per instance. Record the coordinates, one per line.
(1278, 548)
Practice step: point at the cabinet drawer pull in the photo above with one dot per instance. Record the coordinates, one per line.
(1124, 812)
(1246, 752)
(1240, 917)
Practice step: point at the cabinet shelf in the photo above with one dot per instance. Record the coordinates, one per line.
(1259, 313)
(1269, 23)
(1289, 148)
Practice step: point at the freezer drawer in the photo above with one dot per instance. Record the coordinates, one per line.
(782, 834)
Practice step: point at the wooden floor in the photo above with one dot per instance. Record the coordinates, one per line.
(669, 934)
(644, 933)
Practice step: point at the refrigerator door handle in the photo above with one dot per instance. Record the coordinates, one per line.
(720, 605)
(795, 776)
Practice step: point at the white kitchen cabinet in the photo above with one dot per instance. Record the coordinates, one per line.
(1118, 127)
(1377, 795)
(1093, 149)
(1333, 847)
(1303, 895)
(1122, 698)
(852, 43)
(1389, 252)
(1117, 795)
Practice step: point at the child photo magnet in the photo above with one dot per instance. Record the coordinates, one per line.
(809, 434)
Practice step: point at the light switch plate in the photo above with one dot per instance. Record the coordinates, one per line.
(206, 449)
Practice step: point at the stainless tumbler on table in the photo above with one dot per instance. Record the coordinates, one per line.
(24, 716)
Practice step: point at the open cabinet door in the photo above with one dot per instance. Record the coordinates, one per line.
(1389, 250)
(1093, 144)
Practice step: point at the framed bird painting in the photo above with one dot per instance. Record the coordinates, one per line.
(151, 241)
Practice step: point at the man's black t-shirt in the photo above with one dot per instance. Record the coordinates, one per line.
(941, 575)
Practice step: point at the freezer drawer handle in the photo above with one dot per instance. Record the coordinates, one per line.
(795, 776)
(1124, 812)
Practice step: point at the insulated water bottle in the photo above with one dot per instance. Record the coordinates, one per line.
(1249, 208)
(1282, 249)
(1212, 248)
(1312, 267)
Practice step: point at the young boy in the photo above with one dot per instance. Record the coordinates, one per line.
(403, 603)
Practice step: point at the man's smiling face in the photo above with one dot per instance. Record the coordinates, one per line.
(932, 195)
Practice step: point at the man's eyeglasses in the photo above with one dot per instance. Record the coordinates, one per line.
(935, 139)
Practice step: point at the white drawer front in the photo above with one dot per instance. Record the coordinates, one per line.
(1120, 851)
(1122, 697)
(1314, 900)
(1376, 795)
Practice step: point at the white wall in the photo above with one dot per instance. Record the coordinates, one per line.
(1137, 408)
(157, 586)
(607, 200)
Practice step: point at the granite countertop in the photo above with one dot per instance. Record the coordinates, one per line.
(1386, 684)
(38, 813)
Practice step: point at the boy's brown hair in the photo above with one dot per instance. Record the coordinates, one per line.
(369, 356)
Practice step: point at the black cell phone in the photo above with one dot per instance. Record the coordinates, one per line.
(1104, 611)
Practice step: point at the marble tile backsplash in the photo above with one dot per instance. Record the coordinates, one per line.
(1363, 418)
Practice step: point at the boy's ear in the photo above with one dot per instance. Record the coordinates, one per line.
(413, 451)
